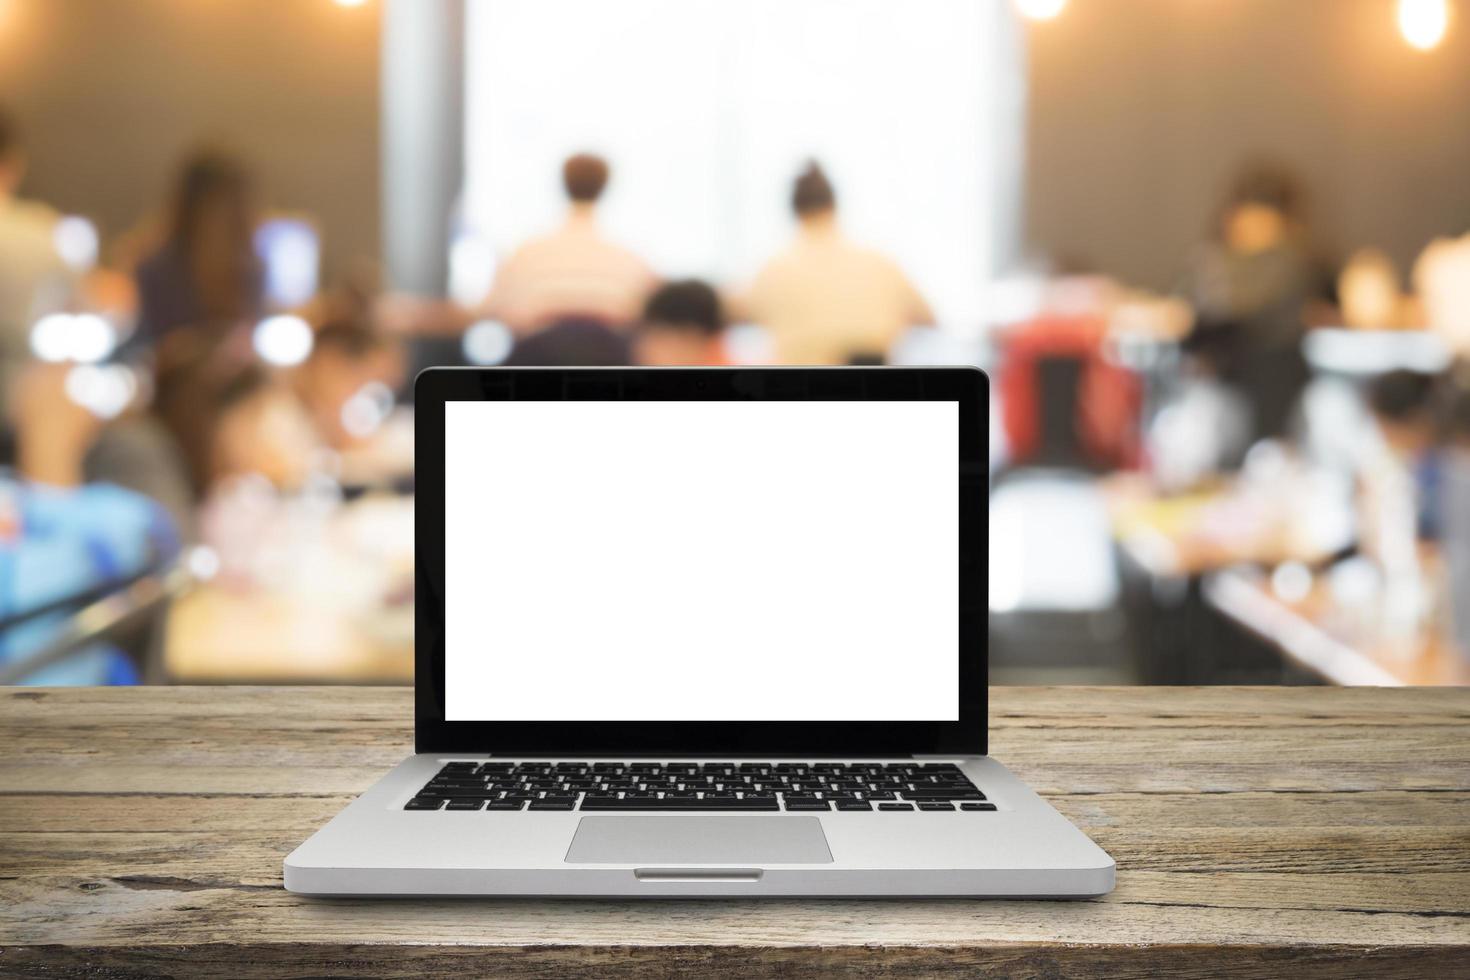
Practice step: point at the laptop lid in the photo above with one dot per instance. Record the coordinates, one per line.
(703, 561)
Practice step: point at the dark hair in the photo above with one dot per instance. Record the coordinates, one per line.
(1269, 184)
(352, 338)
(10, 141)
(574, 342)
(688, 304)
(584, 177)
(1402, 395)
(208, 175)
(1454, 408)
(197, 380)
(812, 191)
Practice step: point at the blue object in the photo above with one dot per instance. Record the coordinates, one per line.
(63, 542)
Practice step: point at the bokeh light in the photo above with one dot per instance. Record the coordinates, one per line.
(1423, 22)
(283, 341)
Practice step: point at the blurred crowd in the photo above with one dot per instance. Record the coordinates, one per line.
(193, 365)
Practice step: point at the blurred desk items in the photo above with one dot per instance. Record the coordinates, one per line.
(1274, 512)
(1227, 521)
(305, 591)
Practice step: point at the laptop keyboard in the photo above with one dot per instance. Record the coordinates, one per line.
(702, 786)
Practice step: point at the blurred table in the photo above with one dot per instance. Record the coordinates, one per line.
(1341, 646)
(216, 636)
(1262, 832)
(323, 599)
(1169, 543)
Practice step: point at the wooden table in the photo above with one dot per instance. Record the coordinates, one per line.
(1258, 832)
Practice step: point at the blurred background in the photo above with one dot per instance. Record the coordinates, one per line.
(1214, 255)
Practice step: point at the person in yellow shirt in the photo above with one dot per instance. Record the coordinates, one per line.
(826, 299)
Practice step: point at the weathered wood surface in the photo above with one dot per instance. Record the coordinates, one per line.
(1258, 832)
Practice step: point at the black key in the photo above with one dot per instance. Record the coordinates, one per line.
(607, 767)
(506, 805)
(458, 793)
(675, 803)
(807, 804)
(936, 805)
(854, 805)
(895, 806)
(555, 803)
(465, 804)
(570, 766)
(420, 803)
(977, 806)
(881, 794)
(938, 793)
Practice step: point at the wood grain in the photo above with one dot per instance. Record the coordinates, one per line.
(1258, 832)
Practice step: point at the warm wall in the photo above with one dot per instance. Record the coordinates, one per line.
(1140, 109)
(113, 91)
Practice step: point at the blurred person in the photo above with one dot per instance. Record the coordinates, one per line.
(61, 442)
(1369, 293)
(1203, 428)
(1442, 280)
(34, 279)
(206, 272)
(347, 359)
(1455, 508)
(683, 326)
(1257, 282)
(574, 342)
(230, 416)
(67, 534)
(574, 271)
(1404, 407)
(825, 299)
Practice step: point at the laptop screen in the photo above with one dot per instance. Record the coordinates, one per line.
(701, 561)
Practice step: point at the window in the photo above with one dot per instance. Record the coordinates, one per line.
(707, 109)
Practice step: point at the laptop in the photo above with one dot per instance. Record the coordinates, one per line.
(701, 632)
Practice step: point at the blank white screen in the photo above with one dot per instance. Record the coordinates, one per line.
(701, 561)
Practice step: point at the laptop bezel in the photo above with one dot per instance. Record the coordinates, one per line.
(968, 387)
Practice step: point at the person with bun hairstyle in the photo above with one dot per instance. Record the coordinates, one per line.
(826, 299)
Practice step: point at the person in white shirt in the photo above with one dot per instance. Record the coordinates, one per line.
(574, 272)
(825, 299)
(34, 279)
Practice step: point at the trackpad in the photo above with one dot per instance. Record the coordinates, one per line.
(699, 840)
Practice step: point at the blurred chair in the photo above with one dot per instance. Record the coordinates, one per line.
(1069, 414)
(1063, 402)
